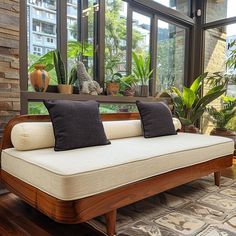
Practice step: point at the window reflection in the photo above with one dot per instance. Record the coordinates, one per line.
(170, 56)
(179, 5)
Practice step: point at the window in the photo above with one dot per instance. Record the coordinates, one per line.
(37, 42)
(217, 10)
(217, 51)
(115, 37)
(50, 40)
(107, 46)
(141, 33)
(50, 16)
(37, 51)
(36, 26)
(179, 5)
(170, 55)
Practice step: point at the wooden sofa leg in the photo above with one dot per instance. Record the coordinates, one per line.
(111, 222)
(217, 178)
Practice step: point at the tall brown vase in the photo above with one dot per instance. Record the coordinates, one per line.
(39, 78)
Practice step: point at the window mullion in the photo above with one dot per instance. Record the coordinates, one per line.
(153, 55)
(129, 38)
(62, 29)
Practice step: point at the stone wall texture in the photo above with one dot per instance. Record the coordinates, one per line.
(9, 61)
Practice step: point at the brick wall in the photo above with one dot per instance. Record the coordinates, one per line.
(9, 61)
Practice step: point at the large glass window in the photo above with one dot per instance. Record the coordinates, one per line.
(217, 51)
(170, 55)
(141, 33)
(179, 5)
(41, 31)
(217, 10)
(115, 37)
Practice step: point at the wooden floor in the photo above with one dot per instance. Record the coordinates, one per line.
(18, 218)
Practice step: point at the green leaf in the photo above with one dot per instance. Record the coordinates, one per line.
(198, 82)
(185, 121)
(46, 59)
(176, 91)
(188, 97)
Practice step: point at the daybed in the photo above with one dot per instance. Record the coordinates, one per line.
(77, 185)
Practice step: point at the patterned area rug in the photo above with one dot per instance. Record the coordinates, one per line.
(197, 208)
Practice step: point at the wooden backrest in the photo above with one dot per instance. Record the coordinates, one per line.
(6, 141)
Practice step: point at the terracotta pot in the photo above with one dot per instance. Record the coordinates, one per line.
(129, 92)
(189, 129)
(222, 132)
(39, 78)
(113, 88)
(142, 91)
(65, 88)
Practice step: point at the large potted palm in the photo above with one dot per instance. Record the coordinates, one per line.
(189, 105)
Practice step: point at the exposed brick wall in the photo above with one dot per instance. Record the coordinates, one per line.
(9, 61)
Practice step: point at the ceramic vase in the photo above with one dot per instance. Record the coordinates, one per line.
(39, 78)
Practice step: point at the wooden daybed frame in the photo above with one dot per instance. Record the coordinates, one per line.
(106, 203)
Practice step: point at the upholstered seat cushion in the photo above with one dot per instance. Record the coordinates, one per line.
(84, 172)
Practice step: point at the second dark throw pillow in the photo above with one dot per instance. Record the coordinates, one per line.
(156, 119)
(76, 124)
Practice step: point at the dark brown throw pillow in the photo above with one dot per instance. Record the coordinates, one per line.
(76, 124)
(156, 119)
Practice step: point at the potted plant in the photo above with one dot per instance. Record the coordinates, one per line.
(75, 52)
(220, 118)
(113, 85)
(128, 85)
(189, 106)
(142, 73)
(64, 84)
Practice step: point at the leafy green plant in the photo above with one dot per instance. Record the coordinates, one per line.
(75, 49)
(231, 61)
(189, 105)
(115, 78)
(128, 81)
(141, 68)
(59, 68)
(222, 117)
(52, 61)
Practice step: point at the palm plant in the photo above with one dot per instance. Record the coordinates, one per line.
(222, 117)
(142, 68)
(189, 105)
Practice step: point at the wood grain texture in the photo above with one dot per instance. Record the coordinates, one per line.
(111, 222)
(217, 176)
(81, 210)
(33, 222)
(87, 208)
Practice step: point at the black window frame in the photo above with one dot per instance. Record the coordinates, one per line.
(148, 7)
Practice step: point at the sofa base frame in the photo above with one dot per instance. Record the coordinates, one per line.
(81, 210)
(106, 203)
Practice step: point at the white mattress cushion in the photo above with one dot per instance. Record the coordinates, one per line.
(84, 172)
(36, 135)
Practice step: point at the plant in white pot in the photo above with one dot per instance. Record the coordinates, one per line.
(143, 73)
